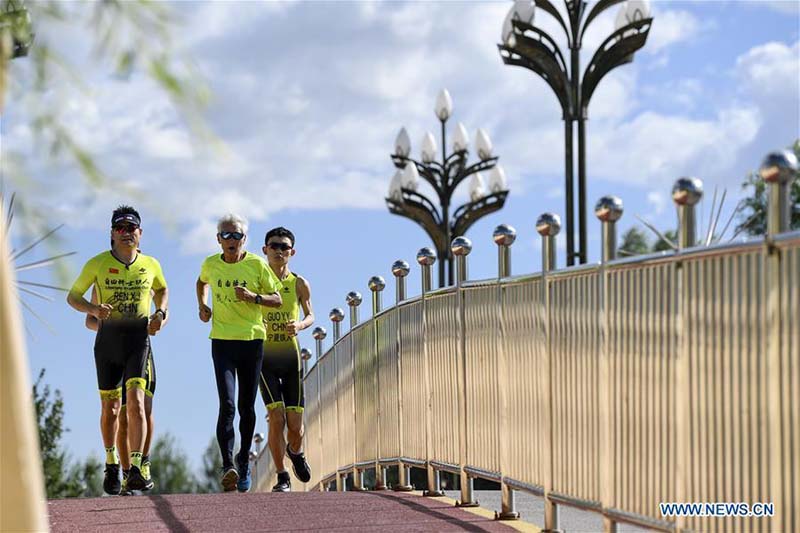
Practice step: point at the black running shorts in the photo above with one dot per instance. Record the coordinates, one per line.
(120, 351)
(281, 380)
(150, 376)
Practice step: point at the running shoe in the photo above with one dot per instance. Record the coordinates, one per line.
(284, 483)
(111, 483)
(229, 479)
(300, 466)
(124, 490)
(146, 475)
(135, 479)
(243, 485)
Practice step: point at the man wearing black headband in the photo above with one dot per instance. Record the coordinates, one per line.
(124, 278)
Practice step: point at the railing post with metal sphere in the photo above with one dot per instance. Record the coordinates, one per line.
(461, 247)
(608, 210)
(319, 335)
(686, 193)
(548, 225)
(426, 258)
(305, 355)
(400, 269)
(376, 285)
(504, 236)
(778, 170)
(353, 300)
(336, 315)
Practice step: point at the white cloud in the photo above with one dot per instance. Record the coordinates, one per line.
(771, 70)
(670, 27)
(658, 200)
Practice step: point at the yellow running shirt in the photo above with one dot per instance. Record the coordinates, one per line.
(232, 319)
(275, 319)
(125, 288)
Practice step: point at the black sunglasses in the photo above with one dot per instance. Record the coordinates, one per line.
(279, 246)
(125, 228)
(235, 235)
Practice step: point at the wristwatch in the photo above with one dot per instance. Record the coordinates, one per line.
(163, 313)
(258, 299)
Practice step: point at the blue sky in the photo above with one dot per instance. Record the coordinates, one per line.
(307, 100)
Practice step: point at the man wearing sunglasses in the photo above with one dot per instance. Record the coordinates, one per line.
(281, 376)
(124, 279)
(241, 284)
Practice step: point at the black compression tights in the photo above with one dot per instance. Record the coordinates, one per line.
(232, 359)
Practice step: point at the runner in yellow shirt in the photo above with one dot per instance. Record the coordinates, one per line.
(281, 374)
(122, 434)
(241, 283)
(123, 278)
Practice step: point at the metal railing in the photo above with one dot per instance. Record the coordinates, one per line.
(612, 387)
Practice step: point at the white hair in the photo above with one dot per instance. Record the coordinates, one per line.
(232, 218)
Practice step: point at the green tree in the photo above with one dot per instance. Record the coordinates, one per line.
(211, 469)
(634, 242)
(662, 245)
(754, 212)
(89, 476)
(170, 467)
(50, 421)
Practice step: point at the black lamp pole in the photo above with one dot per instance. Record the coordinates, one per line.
(444, 177)
(527, 46)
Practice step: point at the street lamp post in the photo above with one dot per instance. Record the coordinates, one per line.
(445, 176)
(527, 46)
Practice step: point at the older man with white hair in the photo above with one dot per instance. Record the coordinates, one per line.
(241, 284)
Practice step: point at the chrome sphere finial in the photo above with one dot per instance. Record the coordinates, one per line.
(376, 283)
(687, 191)
(779, 167)
(353, 298)
(608, 208)
(258, 438)
(504, 235)
(548, 224)
(426, 256)
(319, 333)
(336, 314)
(461, 246)
(400, 268)
(253, 455)
(305, 354)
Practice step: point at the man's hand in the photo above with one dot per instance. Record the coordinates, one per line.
(154, 324)
(102, 311)
(293, 327)
(205, 313)
(244, 295)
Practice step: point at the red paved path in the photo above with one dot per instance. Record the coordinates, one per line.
(309, 511)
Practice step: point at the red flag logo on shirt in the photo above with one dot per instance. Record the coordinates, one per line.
(113, 270)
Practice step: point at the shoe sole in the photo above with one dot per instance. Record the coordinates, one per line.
(136, 486)
(229, 480)
(298, 476)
